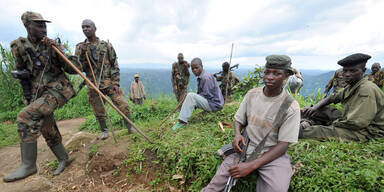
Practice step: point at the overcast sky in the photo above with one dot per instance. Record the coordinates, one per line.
(315, 34)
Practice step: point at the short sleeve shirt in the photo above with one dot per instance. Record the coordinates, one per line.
(258, 113)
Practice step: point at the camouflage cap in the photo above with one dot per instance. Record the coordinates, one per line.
(136, 75)
(32, 16)
(354, 59)
(279, 62)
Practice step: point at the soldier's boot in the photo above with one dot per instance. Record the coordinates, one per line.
(62, 156)
(129, 126)
(28, 162)
(104, 129)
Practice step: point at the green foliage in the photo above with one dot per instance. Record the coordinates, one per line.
(8, 134)
(190, 153)
(253, 80)
(151, 110)
(11, 95)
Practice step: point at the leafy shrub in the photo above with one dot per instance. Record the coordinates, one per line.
(253, 80)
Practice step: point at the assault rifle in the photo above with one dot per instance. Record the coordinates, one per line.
(231, 69)
(243, 157)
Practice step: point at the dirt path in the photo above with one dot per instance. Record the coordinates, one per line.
(97, 165)
(10, 160)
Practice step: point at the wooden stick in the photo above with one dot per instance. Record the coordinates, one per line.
(99, 92)
(178, 106)
(101, 99)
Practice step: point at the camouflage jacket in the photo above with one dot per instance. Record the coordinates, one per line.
(49, 76)
(336, 81)
(97, 53)
(377, 78)
(363, 106)
(232, 80)
(180, 74)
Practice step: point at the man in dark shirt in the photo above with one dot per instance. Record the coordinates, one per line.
(208, 97)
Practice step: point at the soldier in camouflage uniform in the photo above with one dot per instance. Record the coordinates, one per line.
(376, 76)
(362, 117)
(180, 77)
(45, 87)
(336, 81)
(104, 63)
(228, 80)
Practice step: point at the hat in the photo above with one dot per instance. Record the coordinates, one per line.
(136, 75)
(32, 16)
(225, 64)
(354, 59)
(279, 62)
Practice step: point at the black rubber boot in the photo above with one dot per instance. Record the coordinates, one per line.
(28, 162)
(62, 156)
(104, 129)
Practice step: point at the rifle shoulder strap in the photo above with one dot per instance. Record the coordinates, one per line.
(278, 121)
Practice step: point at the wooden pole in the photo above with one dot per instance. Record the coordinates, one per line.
(101, 99)
(99, 92)
(178, 106)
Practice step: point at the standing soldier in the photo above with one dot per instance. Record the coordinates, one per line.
(228, 80)
(45, 87)
(180, 77)
(376, 76)
(336, 81)
(136, 91)
(104, 63)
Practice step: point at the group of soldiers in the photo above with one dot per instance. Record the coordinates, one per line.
(267, 121)
(180, 79)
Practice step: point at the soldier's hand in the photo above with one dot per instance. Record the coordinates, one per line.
(239, 139)
(49, 41)
(241, 170)
(308, 111)
(174, 88)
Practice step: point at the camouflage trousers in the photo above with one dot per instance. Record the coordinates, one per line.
(227, 98)
(181, 91)
(137, 101)
(37, 118)
(98, 107)
(322, 128)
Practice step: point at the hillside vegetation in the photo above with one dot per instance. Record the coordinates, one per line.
(186, 158)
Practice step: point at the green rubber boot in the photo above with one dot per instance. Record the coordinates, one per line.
(28, 162)
(62, 156)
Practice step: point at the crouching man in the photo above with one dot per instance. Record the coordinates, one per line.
(208, 97)
(271, 118)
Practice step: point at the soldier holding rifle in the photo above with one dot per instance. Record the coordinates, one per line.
(46, 88)
(271, 118)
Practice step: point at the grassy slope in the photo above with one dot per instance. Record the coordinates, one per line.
(190, 153)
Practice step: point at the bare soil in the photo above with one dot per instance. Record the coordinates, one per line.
(93, 168)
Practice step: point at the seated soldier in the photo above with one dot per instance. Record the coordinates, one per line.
(208, 97)
(362, 117)
(271, 118)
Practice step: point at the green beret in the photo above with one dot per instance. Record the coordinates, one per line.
(354, 59)
(279, 62)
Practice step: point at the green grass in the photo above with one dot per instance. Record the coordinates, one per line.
(190, 152)
(8, 134)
